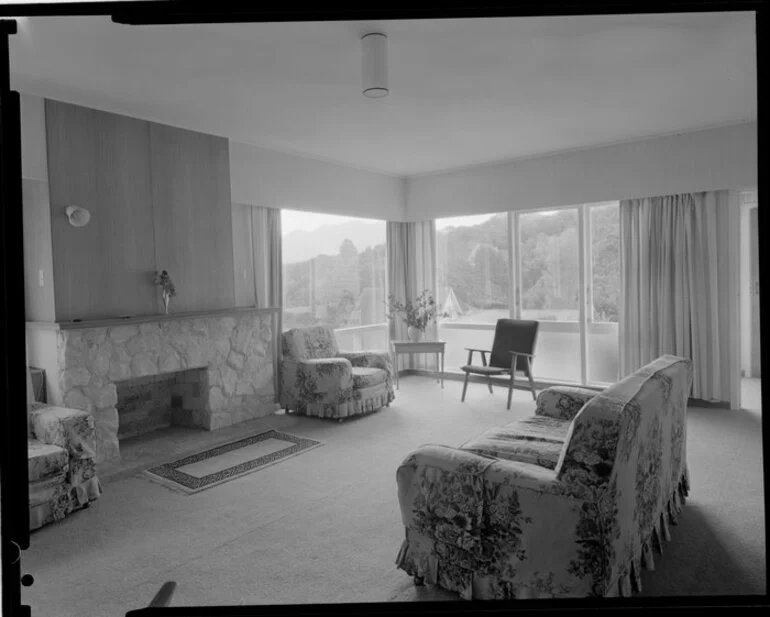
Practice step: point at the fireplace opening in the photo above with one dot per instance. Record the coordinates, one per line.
(147, 404)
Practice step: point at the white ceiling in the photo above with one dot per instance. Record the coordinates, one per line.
(463, 91)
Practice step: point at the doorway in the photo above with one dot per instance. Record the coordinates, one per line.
(751, 365)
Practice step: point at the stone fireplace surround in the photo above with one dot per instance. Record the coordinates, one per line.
(83, 360)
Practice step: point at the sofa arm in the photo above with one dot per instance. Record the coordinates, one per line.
(369, 359)
(71, 429)
(563, 402)
(514, 521)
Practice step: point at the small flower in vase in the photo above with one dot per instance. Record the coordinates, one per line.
(163, 280)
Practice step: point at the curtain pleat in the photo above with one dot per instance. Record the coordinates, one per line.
(670, 286)
(411, 251)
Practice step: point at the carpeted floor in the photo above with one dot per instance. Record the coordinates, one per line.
(325, 526)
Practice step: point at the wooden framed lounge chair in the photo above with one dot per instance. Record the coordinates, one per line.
(512, 350)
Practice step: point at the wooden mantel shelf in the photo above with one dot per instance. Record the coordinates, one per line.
(110, 322)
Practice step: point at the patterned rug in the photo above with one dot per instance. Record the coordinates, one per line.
(214, 466)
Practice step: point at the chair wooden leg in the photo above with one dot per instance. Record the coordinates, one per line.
(531, 380)
(489, 385)
(465, 387)
(510, 390)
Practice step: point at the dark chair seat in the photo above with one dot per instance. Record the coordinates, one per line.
(485, 370)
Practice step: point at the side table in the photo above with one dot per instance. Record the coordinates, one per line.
(429, 347)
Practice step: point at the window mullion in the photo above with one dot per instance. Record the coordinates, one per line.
(515, 264)
(511, 268)
(584, 244)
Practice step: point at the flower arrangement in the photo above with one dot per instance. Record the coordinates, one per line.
(163, 280)
(416, 315)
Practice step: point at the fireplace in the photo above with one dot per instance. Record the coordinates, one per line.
(206, 370)
(146, 404)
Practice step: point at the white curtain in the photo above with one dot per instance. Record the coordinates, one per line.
(268, 272)
(411, 251)
(671, 284)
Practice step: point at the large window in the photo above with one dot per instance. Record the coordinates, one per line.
(558, 266)
(473, 280)
(549, 288)
(334, 274)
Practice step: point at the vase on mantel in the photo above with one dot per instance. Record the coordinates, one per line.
(166, 298)
(414, 334)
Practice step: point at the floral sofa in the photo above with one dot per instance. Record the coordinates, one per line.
(317, 379)
(568, 503)
(61, 452)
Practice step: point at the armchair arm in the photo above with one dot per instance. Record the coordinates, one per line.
(321, 380)
(70, 429)
(563, 402)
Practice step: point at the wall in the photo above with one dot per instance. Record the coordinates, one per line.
(273, 179)
(699, 161)
(38, 258)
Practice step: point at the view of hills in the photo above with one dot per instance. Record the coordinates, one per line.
(300, 245)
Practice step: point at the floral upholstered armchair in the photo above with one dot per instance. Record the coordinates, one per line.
(575, 512)
(317, 379)
(61, 455)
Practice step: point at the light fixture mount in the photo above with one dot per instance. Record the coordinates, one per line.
(375, 65)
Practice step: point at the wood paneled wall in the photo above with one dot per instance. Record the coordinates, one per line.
(38, 259)
(99, 161)
(193, 224)
(159, 198)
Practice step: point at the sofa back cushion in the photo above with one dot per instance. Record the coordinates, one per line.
(309, 343)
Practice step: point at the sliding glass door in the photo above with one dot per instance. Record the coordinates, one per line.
(473, 286)
(549, 288)
(557, 266)
(603, 275)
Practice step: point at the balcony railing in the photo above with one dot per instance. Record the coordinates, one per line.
(557, 355)
(363, 338)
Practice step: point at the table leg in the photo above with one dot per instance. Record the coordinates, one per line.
(395, 357)
(442, 369)
(437, 369)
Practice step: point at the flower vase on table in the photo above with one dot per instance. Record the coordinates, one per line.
(414, 334)
(166, 298)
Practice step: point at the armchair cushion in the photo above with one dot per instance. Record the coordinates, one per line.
(537, 440)
(368, 377)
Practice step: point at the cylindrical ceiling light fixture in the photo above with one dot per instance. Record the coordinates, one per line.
(375, 65)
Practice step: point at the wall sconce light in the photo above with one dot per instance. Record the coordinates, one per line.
(78, 217)
(375, 65)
